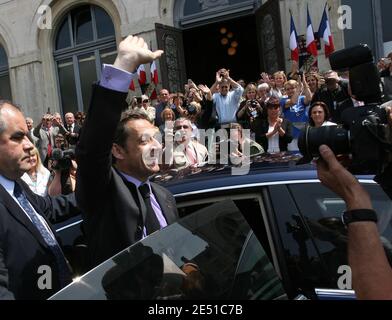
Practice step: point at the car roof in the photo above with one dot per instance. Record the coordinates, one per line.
(267, 168)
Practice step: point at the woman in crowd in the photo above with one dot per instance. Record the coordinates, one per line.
(242, 142)
(37, 177)
(295, 107)
(279, 89)
(168, 117)
(273, 133)
(80, 117)
(319, 115)
(313, 80)
(250, 108)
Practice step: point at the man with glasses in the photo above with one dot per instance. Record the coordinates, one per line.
(146, 108)
(226, 102)
(185, 151)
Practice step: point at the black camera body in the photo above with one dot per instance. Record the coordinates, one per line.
(252, 108)
(364, 132)
(64, 158)
(191, 109)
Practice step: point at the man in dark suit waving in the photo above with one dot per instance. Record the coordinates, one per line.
(32, 264)
(119, 203)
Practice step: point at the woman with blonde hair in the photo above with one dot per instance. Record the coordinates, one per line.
(278, 90)
(37, 177)
(250, 108)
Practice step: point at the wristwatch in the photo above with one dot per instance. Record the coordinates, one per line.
(359, 215)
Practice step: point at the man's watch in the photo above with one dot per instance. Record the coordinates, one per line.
(359, 215)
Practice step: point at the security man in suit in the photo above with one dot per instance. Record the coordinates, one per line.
(120, 205)
(32, 264)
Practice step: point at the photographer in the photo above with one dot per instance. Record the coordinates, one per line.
(63, 169)
(250, 108)
(226, 102)
(335, 95)
(371, 272)
(385, 68)
(366, 136)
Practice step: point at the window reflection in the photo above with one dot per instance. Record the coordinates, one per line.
(83, 29)
(89, 24)
(67, 85)
(88, 75)
(63, 39)
(5, 88)
(210, 254)
(105, 26)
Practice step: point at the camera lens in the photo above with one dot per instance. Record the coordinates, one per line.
(338, 139)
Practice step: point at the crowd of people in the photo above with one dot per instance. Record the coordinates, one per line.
(113, 192)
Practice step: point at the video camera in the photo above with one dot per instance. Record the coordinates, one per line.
(63, 158)
(364, 132)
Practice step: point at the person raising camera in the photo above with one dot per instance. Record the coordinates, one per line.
(250, 108)
(385, 69)
(226, 102)
(63, 168)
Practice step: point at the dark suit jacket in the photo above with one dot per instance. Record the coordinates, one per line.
(261, 126)
(22, 248)
(73, 140)
(113, 214)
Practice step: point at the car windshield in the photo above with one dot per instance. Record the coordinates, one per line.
(210, 254)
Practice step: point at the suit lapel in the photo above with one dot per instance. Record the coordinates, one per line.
(166, 206)
(130, 187)
(15, 210)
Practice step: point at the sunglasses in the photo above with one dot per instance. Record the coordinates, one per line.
(180, 127)
(145, 101)
(273, 106)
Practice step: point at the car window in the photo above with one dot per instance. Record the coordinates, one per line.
(207, 254)
(320, 222)
(295, 252)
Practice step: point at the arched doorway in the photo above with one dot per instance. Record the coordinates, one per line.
(5, 88)
(241, 35)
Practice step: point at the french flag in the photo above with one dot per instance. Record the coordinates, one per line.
(325, 33)
(141, 74)
(154, 73)
(293, 41)
(311, 46)
(132, 86)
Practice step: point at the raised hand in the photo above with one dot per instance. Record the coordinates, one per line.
(204, 88)
(132, 52)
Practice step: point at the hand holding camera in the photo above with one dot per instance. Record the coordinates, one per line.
(253, 108)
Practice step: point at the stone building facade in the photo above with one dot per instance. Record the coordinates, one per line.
(39, 65)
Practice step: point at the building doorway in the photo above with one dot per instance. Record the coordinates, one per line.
(230, 44)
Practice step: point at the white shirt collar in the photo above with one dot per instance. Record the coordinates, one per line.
(8, 185)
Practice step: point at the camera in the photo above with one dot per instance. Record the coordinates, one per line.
(63, 158)
(364, 131)
(192, 109)
(252, 108)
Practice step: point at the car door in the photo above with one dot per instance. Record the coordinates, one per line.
(211, 253)
(312, 236)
